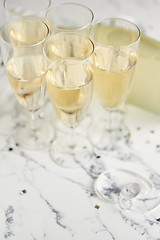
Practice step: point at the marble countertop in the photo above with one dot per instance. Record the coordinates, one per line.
(40, 200)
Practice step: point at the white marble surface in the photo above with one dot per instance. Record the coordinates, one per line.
(61, 203)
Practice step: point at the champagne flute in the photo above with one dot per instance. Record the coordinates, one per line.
(23, 8)
(116, 50)
(22, 41)
(70, 83)
(66, 17)
(115, 57)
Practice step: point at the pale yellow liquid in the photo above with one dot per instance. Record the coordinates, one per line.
(68, 46)
(70, 85)
(113, 35)
(113, 75)
(27, 32)
(145, 92)
(26, 76)
(114, 64)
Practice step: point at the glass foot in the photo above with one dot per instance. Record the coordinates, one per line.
(35, 139)
(127, 189)
(64, 152)
(106, 139)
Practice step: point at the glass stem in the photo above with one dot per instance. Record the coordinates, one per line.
(109, 124)
(33, 121)
(71, 142)
(115, 120)
(110, 121)
(113, 123)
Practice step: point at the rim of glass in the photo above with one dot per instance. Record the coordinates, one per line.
(123, 20)
(19, 14)
(25, 19)
(63, 34)
(76, 4)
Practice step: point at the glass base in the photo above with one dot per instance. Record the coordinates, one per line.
(127, 189)
(35, 139)
(104, 138)
(68, 154)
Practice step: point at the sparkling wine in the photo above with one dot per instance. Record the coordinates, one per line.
(70, 84)
(26, 76)
(113, 74)
(114, 35)
(27, 32)
(114, 64)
